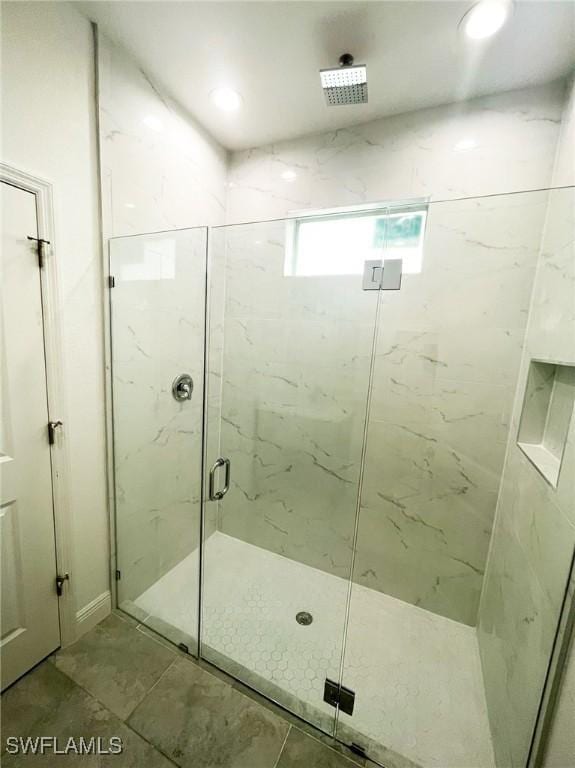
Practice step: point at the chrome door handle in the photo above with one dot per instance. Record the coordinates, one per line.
(227, 477)
(214, 496)
(217, 495)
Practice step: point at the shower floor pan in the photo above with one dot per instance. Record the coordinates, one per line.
(416, 675)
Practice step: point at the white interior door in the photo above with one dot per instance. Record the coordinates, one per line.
(29, 605)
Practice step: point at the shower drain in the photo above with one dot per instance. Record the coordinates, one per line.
(303, 617)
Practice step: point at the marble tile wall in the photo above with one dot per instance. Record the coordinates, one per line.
(425, 526)
(297, 354)
(448, 353)
(494, 144)
(160, 171)
(294, 394)
(158, 322)
(534, 533)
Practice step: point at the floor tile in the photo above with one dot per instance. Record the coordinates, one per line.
(115, 663)
(47, 703)
(199, 721)
(303, 751)
(32, 700)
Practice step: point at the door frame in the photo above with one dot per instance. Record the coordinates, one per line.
(53, 350)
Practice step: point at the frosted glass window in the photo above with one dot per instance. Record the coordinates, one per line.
(340, 244)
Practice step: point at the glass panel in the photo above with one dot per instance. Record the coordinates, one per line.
(158, 310)
(431, 669)
(289, 365)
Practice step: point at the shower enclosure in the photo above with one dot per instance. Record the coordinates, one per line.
(310, 424)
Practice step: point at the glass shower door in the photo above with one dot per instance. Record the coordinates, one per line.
(440, 677)
(157, 334)
(290, 349)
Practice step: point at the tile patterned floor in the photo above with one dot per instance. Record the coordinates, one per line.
(168, 709)
(417, 675)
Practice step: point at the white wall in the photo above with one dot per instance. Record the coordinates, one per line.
(49, 130)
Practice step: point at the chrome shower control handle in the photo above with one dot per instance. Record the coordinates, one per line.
(182, 387)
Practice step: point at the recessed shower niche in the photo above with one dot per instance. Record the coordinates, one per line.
(547, 411)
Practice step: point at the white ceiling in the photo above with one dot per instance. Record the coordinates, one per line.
(270, 52)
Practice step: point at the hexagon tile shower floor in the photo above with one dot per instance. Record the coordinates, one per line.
(249, 618)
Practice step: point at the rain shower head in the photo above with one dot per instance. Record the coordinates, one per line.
(346, 84)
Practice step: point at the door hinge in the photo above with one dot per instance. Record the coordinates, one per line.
(118, 575)
(60, 583)
(383, 275)
(111, 281)
(52, 426)
(40, 243)
(339, 696)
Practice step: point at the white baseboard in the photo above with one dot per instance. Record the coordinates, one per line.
(93, 613)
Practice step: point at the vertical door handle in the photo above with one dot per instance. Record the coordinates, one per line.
(217, 495)
(227, 477)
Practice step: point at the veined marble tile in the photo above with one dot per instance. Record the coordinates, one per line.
(296, 358)
(511, 139)
(543, 531)
(516, 629)
(162, 171)
(157, 329)
(564, 170)
(552, 319)
(534, 535)
(295, 374)
(425, 520)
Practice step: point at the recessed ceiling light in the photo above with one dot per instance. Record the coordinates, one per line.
(289, 175)
(153, 122)
(129, 205)
(226, 99)
(465, 145)
(486, 18)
